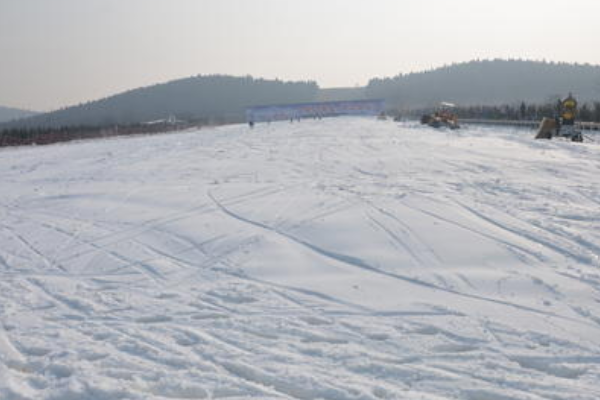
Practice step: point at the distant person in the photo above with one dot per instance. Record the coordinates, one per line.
(251, 124)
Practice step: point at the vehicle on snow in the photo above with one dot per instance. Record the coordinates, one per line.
(563, 125)
(442, 117)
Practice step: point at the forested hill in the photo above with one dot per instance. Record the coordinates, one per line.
(489, 83)
(9, 114)
(215, 97)
(219, 98)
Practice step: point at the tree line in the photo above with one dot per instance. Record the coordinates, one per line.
(43, 136)
(587, 112)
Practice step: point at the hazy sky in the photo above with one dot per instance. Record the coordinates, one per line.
(55, 53)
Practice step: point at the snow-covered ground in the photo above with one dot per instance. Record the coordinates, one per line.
(336, 259)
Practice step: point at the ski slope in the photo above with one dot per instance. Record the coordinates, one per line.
(338, 259)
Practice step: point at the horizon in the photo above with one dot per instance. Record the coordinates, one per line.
(65, 52)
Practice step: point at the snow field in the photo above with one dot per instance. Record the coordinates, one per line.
(337, 259)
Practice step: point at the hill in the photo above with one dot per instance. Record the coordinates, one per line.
(9, 114)
(491, 82)
(224, 98)
(215, 97)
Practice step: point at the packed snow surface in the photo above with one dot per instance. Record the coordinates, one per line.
(337, 259)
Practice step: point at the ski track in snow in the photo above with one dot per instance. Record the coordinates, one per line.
(337, 259)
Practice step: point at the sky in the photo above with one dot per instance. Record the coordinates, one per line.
(56, 53)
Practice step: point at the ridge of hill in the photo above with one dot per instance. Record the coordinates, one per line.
(10, 114)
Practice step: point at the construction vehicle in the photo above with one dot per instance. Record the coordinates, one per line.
(563, 125)
(443, 117)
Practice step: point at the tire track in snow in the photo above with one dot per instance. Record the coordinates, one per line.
(526, 235)
(126, 234)
(117, 236)
(142, 265)
(213, 259)
(506, 244)
(26, 244)
(420, 243)
(4, 263)
(396, 240)
(130, 263)
(356, 262)
(231, 271)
